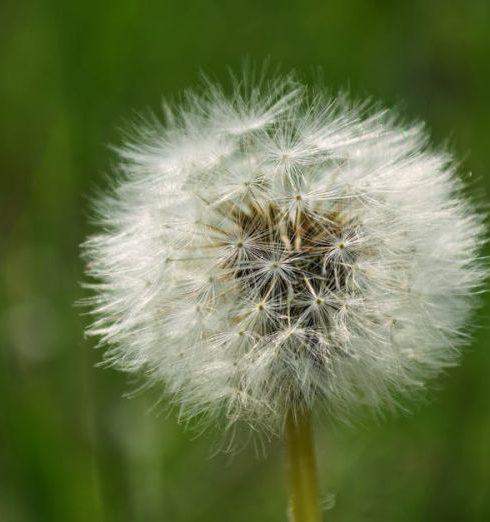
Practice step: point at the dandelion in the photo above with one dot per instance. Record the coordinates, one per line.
(276, 250)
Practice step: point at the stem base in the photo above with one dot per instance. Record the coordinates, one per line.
(303, 481)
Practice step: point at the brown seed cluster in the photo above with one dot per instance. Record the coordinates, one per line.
(293, 260)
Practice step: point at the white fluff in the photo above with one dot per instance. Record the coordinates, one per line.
(276, 249)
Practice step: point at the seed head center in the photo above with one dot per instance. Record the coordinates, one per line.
(298, 245)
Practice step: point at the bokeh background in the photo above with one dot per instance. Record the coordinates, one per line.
(72, 74)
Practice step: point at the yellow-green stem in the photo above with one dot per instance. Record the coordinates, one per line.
(303, 481)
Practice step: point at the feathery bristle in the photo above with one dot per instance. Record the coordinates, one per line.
(277, 249)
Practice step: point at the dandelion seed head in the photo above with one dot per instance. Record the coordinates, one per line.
(276, 249)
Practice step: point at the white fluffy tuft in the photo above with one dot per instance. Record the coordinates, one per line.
(275, 249)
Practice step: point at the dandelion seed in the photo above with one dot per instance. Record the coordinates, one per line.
(279, 210)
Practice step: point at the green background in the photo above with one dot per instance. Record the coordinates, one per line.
(72, 74)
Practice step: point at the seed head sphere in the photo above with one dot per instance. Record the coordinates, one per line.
(278, 248)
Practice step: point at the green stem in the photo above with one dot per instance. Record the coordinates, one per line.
(303, 482)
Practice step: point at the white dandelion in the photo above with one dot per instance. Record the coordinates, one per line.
(278, 249)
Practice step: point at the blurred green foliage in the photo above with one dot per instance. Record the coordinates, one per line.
(71, 449)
